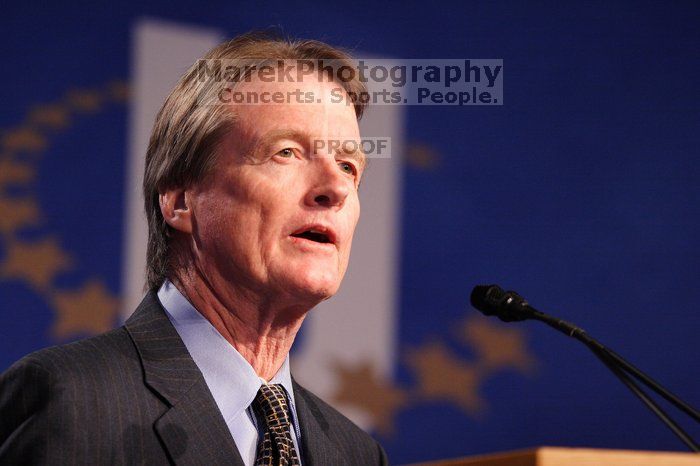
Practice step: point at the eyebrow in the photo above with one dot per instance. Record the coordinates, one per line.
(263, 144)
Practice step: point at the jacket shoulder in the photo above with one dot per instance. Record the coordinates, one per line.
(85, 358)
(75, 401)
(77, 375)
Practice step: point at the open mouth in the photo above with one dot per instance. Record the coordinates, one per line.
(313, 235)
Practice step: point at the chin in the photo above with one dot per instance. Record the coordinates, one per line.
(317, 287)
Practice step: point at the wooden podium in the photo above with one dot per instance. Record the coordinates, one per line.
(555, 456)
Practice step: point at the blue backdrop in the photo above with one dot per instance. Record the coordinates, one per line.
(581, 192)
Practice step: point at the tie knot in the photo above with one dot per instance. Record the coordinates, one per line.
(271, 402)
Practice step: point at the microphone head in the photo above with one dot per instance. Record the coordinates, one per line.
(508, 306)
(484, 298)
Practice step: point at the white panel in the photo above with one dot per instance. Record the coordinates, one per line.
(359, 323)
(161, 53)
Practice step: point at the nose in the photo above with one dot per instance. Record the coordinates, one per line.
(330, 187)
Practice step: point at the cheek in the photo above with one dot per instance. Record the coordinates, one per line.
(350, 222)
(221, 221)
(354, 216)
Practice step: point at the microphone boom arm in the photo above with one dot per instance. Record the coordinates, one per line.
(597, 347)
(509, 307)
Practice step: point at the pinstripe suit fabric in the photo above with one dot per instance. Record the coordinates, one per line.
(135, 396)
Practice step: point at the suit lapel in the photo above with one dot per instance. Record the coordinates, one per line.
(319, 448)
(192, 429)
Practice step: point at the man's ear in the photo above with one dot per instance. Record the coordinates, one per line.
(174, 205)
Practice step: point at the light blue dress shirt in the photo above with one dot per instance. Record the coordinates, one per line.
(231, 379)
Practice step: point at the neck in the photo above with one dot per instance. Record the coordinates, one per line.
(261, 328)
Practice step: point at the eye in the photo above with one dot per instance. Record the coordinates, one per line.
(348, 168)
(286, 153)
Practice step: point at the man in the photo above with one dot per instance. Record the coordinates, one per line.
(249, 228)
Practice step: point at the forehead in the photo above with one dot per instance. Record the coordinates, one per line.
(319, 108)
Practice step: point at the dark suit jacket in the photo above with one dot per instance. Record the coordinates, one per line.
(135, 396)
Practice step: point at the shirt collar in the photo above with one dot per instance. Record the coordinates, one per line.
(231, 379)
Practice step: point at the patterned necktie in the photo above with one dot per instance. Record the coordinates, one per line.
(276, 447)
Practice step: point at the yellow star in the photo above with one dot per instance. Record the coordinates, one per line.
(17, 213)
(497, 346)
(84, 100)
(38, 263)
(23, 139)
(422, 156)
(53, 116)
(118, 91)
(14, 173)
(91, 310)
(441, 375)
(362, 387)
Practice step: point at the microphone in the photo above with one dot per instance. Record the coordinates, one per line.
(509, 306)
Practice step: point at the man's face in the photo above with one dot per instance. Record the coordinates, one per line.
(277, 216)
